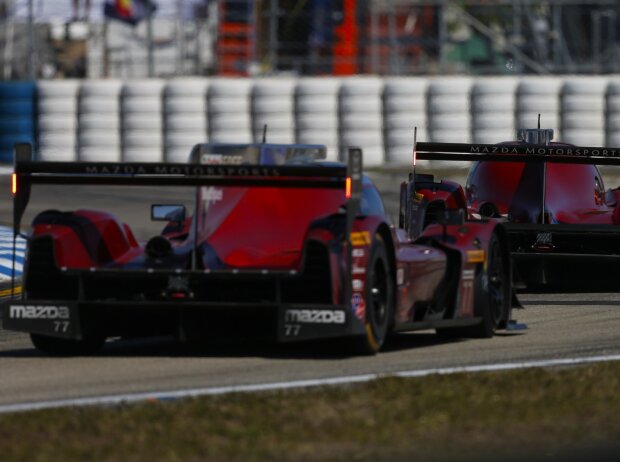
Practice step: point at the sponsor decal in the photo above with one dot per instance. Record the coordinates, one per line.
(358, 269)
(212, 195)
(357, 284)
(358, 305)
(292, 330)
(315, 316)
(220, 159)
(189, 170)
(418, 197)
(476, 256)
(547, 150)
(494, 149)
(358, 253)
(468, 275)
(575, 152)
(38, 312)
(400, 276)
(360, 238)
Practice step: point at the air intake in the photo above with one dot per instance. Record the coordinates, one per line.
(535, 135)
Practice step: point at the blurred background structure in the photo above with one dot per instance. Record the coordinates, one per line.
(135, 80)
(164, 38)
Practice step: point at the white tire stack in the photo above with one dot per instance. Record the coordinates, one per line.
(228, 111)
(99, 122)
(273, 104)
(185, 117)
(404, 108)
(361, 118)
(539, 95)
(583, 111)
(449, 117)
(142, 126)
(57, 119)
(493, 109)
(316, 113)
(613, 114)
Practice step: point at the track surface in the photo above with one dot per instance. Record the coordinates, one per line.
(560, 326)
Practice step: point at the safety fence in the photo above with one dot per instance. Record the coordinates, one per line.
(160, 120)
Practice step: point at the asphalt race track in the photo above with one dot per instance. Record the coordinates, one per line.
(560, 326)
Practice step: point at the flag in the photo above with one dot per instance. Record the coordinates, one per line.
(129, 11)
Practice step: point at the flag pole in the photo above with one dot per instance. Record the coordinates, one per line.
(106, 50)
(149, 40)
(31, 56)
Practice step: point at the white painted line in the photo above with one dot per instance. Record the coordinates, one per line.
(195, 392)
(511, 366)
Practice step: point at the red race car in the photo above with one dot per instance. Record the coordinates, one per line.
(563, 226)
(277, 241)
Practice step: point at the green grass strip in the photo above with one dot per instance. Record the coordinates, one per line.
(549, 414)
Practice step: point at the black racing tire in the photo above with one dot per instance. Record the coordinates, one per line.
(492, 297)
(379, 299)
(67, 347)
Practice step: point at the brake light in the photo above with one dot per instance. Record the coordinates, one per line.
(14, 183)
(347, 187)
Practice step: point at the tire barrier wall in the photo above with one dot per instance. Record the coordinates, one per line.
(17, 116)
(153, 120)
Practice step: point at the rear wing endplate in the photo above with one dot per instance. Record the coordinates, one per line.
(354, 196)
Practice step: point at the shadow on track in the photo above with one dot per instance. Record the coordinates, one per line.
(168, 346)
(586, 299)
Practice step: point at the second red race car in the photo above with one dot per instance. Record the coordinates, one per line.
(277, 241)
(563, 226)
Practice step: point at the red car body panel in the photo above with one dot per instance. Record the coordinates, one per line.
(423, 268)
(237, 229)
(574, 193)
(109, 240)
(445, 196)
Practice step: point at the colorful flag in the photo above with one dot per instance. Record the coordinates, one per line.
(129, 11)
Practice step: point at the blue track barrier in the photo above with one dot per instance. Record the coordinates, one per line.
(17, 116)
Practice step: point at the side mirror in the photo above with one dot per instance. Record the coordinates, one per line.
(165, 212)
(611, 197)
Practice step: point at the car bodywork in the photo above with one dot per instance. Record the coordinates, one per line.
(563, 227)
(278, 241)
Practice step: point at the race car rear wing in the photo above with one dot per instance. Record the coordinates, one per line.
(521, 152)
(28, 172)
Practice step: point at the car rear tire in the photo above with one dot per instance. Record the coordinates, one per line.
(492, 292)
(379, 300)
(67, 347)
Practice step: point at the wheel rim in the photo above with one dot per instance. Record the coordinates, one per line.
(496, 283)
(379, 293)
